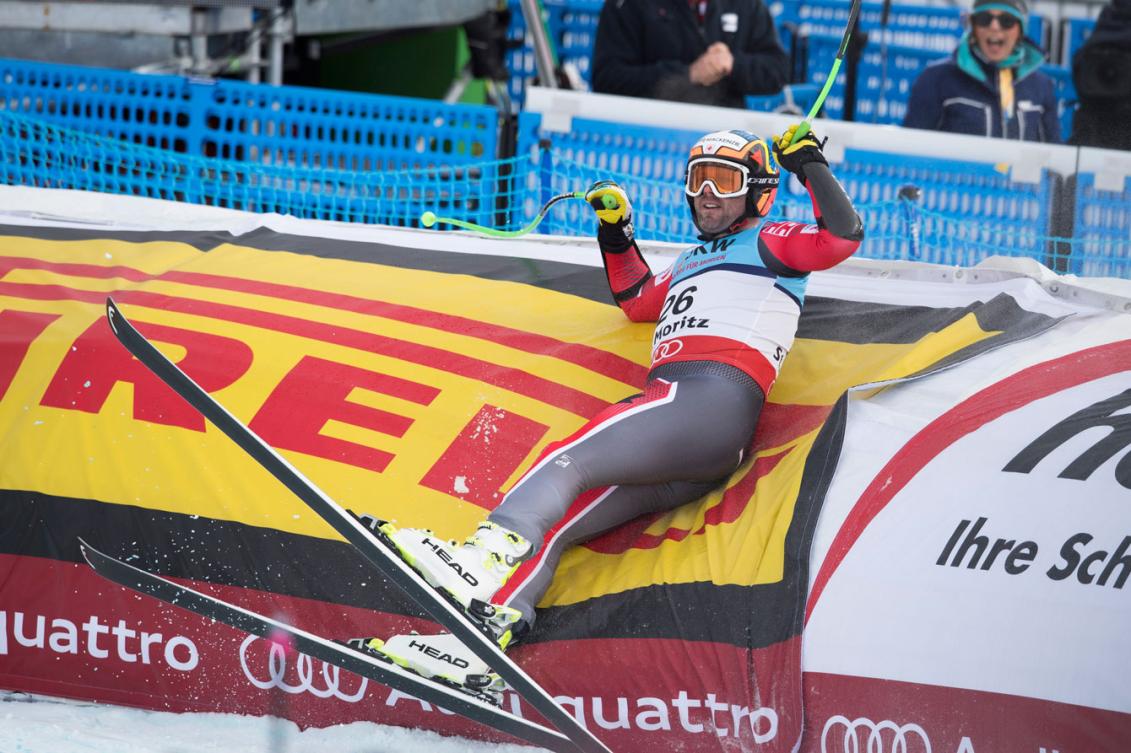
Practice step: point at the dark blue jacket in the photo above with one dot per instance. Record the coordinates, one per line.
(960, 94)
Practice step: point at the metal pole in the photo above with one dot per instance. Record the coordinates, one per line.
(543, 60)
(198, 43)
(277, 38)
(253, 56)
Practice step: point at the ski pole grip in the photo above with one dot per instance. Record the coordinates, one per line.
(802, 129)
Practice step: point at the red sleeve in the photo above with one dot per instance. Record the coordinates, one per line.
(806, 248)
(638, 292)
(646, 304)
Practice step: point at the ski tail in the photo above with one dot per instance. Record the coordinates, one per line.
(326, 650)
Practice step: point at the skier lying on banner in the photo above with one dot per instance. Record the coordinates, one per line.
(726, 314)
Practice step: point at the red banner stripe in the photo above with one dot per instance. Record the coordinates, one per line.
(514, 380)
(20, 329)
(594, 359)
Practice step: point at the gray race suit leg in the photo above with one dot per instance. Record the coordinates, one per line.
(619, 504)
(662, 448)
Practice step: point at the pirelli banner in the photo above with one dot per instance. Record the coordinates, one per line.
(966, 511)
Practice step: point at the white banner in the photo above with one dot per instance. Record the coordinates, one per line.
(977, 532)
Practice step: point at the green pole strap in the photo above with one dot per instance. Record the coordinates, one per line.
(428, 219)
(805, 125)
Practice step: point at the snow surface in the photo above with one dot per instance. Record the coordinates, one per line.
(41, 724)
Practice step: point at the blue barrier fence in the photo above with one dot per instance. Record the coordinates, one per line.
(647, 161)
(38, 153)
(921, 26)
(976, 210)
(909, 25)
(263, 138)
(1102, 229)
(1076, 32)
(374, 159)
(572, 27)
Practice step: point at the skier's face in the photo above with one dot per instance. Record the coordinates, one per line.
(996, 34)
(715, 215)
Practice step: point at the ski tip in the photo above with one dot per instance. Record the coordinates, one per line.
(92, 556)
(85, 549)
(112, 313)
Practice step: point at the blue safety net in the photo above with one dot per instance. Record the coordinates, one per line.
(1101, 239)
(36, 153)
(307, 152)
(922, 208)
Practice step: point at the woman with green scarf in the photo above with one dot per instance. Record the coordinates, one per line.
(992, 84)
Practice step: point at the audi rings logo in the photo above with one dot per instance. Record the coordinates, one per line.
(862, 735)
(302, 680)
(667, 349)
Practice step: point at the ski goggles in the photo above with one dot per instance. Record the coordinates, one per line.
(727, 179)
(982, 19)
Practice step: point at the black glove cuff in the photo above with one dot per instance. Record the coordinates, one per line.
(797, 161)
(614, 238)
(819, 160)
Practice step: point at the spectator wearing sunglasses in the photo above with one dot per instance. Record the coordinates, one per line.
(992, 84)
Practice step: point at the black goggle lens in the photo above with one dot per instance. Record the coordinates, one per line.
(984, 18)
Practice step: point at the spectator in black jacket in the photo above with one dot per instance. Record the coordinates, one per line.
(703, 51)
(1101, 70)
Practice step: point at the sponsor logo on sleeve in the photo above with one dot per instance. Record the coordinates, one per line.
(781, 229)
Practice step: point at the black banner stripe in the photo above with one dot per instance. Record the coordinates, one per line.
(867, 323)
(189, 546)
(235, 554)
(562, 277)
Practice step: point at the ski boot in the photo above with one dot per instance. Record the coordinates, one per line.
(440, 658)
(468, 574)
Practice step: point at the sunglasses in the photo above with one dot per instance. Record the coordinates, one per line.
(983, 19)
